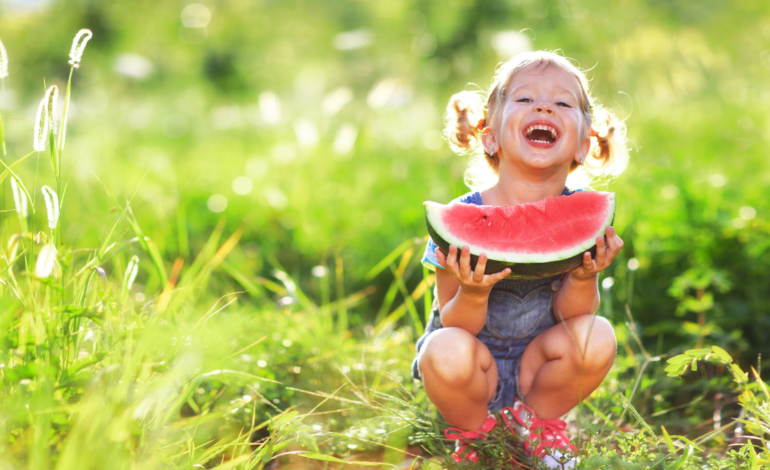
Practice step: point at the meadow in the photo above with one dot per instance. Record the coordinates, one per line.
(211, 243)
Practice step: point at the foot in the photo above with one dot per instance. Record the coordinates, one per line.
(544, 438)
(464, 438)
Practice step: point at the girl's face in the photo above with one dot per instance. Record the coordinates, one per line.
(541, 123)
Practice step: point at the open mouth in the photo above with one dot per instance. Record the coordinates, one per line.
(542, 134)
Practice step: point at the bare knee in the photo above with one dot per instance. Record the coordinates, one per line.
(594, 341)
(449, 355)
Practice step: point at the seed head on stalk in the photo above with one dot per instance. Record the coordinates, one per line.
(19, 199)
(78, 46)
(131, 272)
(45, 261)
(3, 61)
(44, 118)
(51, 206)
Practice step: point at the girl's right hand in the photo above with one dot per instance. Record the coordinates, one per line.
(474, 281)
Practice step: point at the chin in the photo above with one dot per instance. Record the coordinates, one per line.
(541, 160)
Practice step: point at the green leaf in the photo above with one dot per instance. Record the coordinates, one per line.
(697, 352)
(738, 374)
(675, 370)
(680, 359)
(722, 354)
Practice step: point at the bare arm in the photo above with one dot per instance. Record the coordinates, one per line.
(463, 294)
(579, 293)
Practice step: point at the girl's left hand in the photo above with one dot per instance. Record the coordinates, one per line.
(605, 253)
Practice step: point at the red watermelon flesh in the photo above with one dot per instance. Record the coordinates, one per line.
(551, 229)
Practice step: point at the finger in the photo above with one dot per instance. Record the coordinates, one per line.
(441, 257)
(612, 240)
(451, 260)
(481, 265)
(499, 276)
(601, 252)
(588, 263)
(465, 262)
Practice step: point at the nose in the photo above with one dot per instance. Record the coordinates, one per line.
(543, 107)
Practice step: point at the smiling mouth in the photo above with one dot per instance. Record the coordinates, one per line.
(542, 134)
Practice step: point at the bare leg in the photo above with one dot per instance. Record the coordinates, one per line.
(459, 375)
(565, 363)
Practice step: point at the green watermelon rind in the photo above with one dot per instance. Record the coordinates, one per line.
(523, 266)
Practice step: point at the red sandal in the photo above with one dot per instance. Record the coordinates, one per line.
(464, 438)
(544, 438)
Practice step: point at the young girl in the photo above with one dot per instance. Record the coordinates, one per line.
(531, 349)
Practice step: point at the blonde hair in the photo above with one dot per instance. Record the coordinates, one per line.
(607, 156)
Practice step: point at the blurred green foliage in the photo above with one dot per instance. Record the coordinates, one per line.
(333, 111)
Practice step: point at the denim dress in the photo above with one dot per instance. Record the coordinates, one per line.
(517, 312)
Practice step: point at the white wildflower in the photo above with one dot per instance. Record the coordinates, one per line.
(51, 206)
(19, 199)
(3, 61)
(45, 261)
(44, 118)
(78, 46)
(131, 272)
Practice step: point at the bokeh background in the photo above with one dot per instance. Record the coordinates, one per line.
(316, 127)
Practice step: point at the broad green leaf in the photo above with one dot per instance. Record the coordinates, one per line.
(738, 374)
(680, 359)
(697, 352)
(722, 354)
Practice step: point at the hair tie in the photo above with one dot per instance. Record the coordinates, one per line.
(483, 121)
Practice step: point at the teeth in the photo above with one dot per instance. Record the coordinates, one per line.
(542, 127)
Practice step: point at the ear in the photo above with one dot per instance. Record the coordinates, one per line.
(582, 151)
(489, 141)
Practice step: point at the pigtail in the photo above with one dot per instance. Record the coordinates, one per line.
(608, 155)
(464, 121)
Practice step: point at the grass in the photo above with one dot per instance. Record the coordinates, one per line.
(206, 364)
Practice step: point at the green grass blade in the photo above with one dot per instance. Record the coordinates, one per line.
(149, 247)
(391, 257)
(627, 404)
(419, 327)
(254, 290)
(63, 133)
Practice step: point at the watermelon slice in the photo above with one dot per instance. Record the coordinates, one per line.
(537, 239)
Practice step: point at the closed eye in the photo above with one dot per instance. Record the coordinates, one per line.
(563, 104)
(524, 100)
